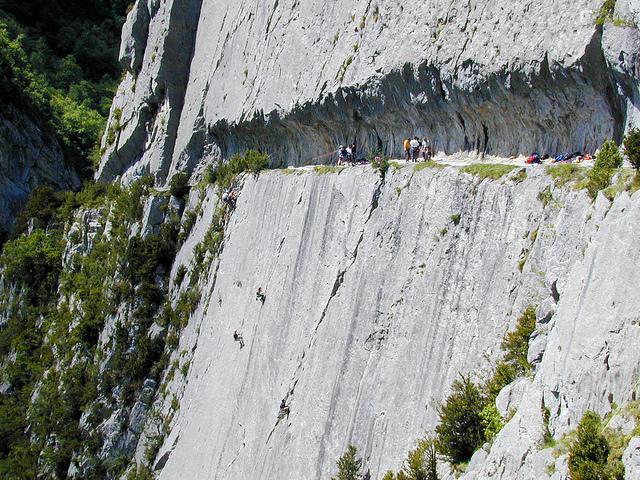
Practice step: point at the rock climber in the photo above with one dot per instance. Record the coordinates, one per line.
(284, 408)
(238, 338)
(260, 295)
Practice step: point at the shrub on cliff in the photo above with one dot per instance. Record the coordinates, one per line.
(589, 455)
(179, 185)
(34, 261)
(380, 162)
(41, 208)
(461, 429)
(252, 161)
(632, 148)
(607, 161)
(421, 462)
(349, 465)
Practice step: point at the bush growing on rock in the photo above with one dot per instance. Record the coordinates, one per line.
(589, 457)
(632, 148)
(461, 430)
(34, 261)
(421, 462)
(252, 161)
(607, 161)
(41, 207)
(179, 186)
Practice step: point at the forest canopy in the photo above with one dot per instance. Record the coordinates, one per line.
(59, 64)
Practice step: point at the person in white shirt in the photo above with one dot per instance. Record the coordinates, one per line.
(415, 148)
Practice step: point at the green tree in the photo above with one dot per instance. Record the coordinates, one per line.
(514, 364)
(461, 429)
(589, 453)
(179, 185)
(349, 465)
(422, 461)
(608, 159)
(632, 148)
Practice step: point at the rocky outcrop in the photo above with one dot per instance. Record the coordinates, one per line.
(156, 51)
(28, 157)
(297, 78)
(376, 300)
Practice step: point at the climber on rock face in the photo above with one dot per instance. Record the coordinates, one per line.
(260, 295)
(284, 408)
(238, 338)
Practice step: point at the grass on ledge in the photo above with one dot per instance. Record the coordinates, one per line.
(428, 164)
(565, 173)
(493, 171)
(324, 169)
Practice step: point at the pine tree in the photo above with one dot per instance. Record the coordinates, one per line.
(349, 465)
(632, 148)
(422, 462)
(461, 428)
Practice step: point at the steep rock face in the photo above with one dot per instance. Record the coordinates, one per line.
(297, 78)
(28, 158)
(156, 52)
(377, 300)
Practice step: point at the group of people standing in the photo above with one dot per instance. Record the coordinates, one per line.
(347, 154)
(414, 149)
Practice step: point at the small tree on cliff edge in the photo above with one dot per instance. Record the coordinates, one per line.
(461, 428)
(349, 465)
(632, 148)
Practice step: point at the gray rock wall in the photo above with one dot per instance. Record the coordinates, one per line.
(298, 78)
(28, 157)
(376, 301)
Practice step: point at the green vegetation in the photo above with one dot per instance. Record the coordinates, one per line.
(252, 161)
(34, 261)
(545, 196)
(521, 176)
(60, 66)
(493, 171)
(349, 465)
(632, 148)
(607, 161)
(514, 363)
(469, 417)
(117, 271)
(427, 164)
(455, 218)
(461, 430)
(179, 185)
(342, 71)
(565, 173)
(324, 169)
(421, 463)
(380, 162)
(606, 12)
(590, 454)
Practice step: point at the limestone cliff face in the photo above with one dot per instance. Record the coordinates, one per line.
(28, 157)
(208, 78)
(377, 300)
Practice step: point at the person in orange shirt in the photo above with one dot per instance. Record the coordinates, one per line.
(407, 148)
